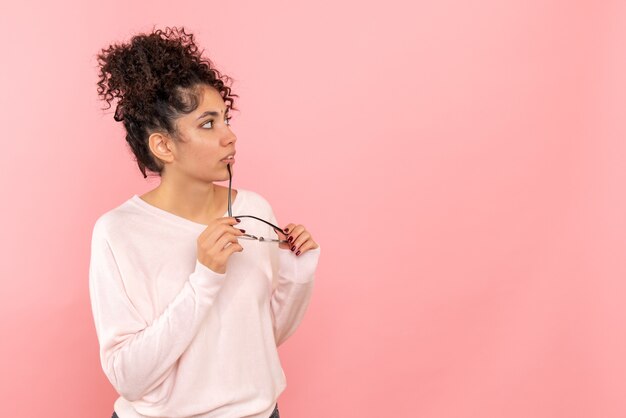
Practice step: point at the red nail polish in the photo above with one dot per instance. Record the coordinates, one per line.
(286, 229)
(298, 253)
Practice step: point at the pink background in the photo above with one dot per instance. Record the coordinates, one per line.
(462, 163)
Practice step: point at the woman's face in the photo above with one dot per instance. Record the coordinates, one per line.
(206, 140)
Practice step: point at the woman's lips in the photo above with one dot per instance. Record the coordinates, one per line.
(229, 160)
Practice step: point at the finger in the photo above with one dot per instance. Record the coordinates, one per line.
(225, 230)
(281, 235)
(234, 247)
(294, 233)
(228, 220)
(309, 244)
(285, 243)
(226, 239)
(301, 239)
(283, 239)
(288, 228)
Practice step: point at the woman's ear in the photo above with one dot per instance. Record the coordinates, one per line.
(161, 147)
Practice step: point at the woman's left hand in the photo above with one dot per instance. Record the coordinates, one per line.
(301, 239)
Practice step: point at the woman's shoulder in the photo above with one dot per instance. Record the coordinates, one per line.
(118, 218)
(253, 198)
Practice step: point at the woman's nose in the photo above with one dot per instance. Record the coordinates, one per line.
(230, 137)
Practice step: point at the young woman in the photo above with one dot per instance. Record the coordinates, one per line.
(190, 302)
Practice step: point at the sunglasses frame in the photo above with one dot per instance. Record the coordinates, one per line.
(250, 236)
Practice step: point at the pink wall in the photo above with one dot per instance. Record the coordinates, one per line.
(462, 163)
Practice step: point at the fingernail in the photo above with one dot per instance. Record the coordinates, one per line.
(290, 238)
(238, 220)
(298, 253)
(286, 229)
(293, 248)
(242, 230)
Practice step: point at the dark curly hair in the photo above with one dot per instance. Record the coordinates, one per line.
(156, 78)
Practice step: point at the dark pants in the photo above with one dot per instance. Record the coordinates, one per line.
(275, 413)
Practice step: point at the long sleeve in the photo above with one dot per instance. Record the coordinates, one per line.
(135, 355)
(294, 277)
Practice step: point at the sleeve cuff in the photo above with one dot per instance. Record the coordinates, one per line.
(298, 268)
(204, 276)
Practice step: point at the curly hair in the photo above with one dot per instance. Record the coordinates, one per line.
(156, 78)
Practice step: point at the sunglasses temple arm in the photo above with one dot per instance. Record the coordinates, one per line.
(230, 211)
(264, 221)
(230, 180)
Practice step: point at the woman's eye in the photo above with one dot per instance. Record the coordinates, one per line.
(211, 121)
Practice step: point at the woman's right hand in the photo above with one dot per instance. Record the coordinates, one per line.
(218, 242)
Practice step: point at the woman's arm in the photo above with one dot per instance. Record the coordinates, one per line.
(137, 356)
(295, 277)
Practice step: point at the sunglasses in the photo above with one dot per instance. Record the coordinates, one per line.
(250, 236)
